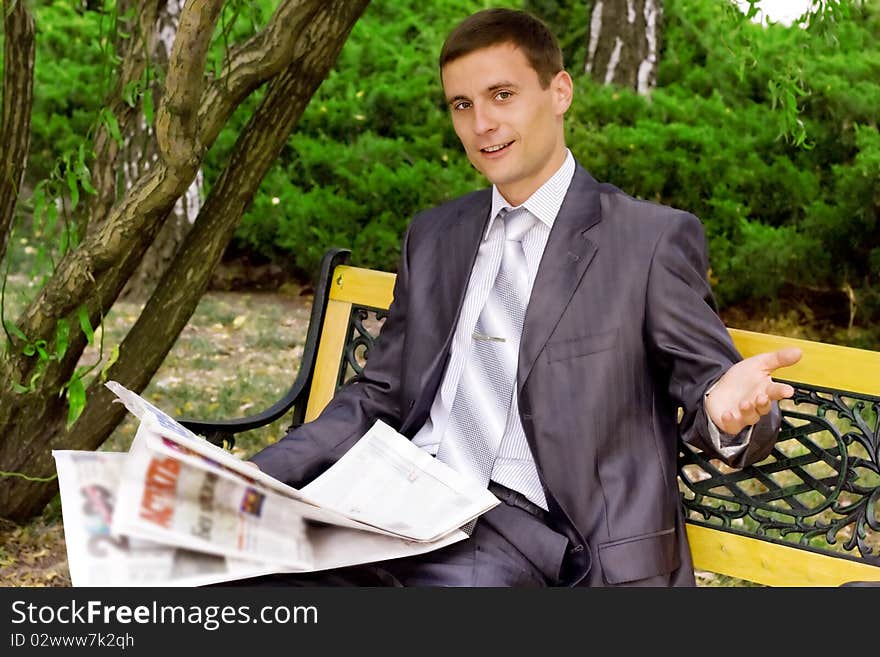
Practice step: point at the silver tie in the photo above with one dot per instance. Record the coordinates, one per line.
(482, 401)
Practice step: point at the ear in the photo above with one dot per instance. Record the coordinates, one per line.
(562, 88)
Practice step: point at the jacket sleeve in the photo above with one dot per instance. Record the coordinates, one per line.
(308, 450)
(689, 341)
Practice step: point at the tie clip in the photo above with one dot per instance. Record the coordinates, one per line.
(491, 338)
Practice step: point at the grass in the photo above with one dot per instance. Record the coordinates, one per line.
(238, 354)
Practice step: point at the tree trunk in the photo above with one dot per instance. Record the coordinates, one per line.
(140, 154)
(15, 124)
(623, 43)
(295, 51)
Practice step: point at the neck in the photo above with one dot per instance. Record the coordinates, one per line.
(519, 192)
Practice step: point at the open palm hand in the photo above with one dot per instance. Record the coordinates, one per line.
(747, 391)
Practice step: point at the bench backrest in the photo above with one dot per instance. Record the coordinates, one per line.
(808, 515)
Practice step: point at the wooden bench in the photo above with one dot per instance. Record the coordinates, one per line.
(808, 515)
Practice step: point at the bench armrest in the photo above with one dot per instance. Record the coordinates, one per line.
(296, 398)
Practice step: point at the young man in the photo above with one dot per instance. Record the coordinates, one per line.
(543, 336)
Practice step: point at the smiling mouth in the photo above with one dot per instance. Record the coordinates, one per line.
(491, 150)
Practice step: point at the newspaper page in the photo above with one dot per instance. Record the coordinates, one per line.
(165, 499)
(387, 482)
(383, 484)
(172, 497)
(231, 467)
(88, 483)
(97, 556)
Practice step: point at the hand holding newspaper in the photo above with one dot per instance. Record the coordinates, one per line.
(181, 511)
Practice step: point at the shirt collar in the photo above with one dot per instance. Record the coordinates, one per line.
(544, 204)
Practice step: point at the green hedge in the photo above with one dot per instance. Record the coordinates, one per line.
(376, 146)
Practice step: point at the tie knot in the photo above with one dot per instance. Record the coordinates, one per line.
(517, 223)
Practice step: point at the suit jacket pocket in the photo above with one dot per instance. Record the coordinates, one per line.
(581, 346)
(639, 557)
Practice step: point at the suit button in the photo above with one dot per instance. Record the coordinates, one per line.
(576, 549)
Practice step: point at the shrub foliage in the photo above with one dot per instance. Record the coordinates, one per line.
(715, 138)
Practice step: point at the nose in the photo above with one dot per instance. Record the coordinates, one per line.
(484, 120)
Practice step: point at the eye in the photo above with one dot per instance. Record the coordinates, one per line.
(461, 105)
(503, 95)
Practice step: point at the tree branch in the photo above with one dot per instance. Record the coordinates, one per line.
(177, 133)
(252, 63)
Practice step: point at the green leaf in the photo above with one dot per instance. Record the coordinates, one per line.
(12, 327)
(109, 120)
(82, 171)
(63, 241)
(51, 217)
(129, 93)
(114, 356)
(148, 108)
(85, 324)
(86, 182)
(62, 338)
(73, 235)
(38, 372)
(29, 350)
(73, 187)
(20, 389)
(76, 400)
(39, 200)
(40, 346)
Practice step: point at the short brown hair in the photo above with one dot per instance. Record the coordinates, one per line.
(492, 27)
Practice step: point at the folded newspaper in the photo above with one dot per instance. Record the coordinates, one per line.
(176, 510)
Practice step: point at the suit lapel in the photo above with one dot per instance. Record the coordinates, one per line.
(454, 261)
(566, 257)
(450, 271)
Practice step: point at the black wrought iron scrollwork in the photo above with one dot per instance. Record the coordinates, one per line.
(363, 329)
(820, 486)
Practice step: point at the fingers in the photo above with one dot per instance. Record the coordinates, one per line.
(728, 423)
(734, 421)
(762, 404)
(747, 413)
(776, 391)
(785, 357)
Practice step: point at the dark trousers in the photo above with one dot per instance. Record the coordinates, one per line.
(512, 545)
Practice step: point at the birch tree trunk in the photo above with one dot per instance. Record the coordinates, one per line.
(623, 43)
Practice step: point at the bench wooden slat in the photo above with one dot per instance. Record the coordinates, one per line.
(365, 287)
(771, 564)
(821, 364)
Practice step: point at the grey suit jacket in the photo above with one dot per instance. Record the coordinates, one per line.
(621, 331)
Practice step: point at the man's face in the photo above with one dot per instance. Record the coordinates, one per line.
(510, 127)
